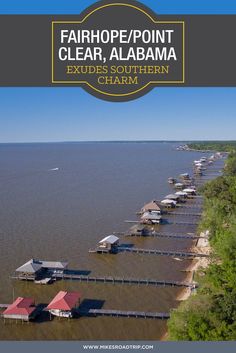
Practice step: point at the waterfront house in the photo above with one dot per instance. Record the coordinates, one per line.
(153, 217)
(64, 304)
(37, 269)
(31, 270)
(151, 206)
(109, 244)
(21, 309)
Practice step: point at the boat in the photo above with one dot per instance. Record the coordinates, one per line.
(179, 186)
(169, 203)
(59, 313)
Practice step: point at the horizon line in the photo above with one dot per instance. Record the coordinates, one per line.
(113, 141)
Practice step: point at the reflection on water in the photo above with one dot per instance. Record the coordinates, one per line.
(58, 201)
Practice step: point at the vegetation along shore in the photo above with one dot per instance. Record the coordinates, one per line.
(210, 314)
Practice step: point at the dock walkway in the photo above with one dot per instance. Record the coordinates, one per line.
(183, 222)
(121, 313)
(185, 213)
(162, 252)
(165, 235)
(117, 280)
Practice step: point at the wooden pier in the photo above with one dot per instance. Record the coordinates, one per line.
(121, 313)
(123, 280)
(165, 235)
(162, 252)
(198, 214)
(183, 222)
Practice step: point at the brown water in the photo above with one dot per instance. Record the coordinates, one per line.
(57, 215)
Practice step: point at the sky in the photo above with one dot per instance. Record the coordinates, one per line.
(71, 114)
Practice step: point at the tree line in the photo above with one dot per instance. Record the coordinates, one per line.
(210, 313)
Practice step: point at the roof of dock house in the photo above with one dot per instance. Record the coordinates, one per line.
(168, 201)
(172, 196)
(21, 306)
(151, 216)
(110, 239)
(152, 205)
(31, 266)
(181, 193)
(54, 264)
(189, 190)
(64, 301)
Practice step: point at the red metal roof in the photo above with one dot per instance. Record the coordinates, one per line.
(64, 301)
(21, 306)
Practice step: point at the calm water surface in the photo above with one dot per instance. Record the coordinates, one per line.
(61, 214)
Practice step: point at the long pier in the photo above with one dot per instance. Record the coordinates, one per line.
(117, 280)
(121, 313)
(183, 222)
(184, 214)
(167, 222)
(161, 252)
(165, 235)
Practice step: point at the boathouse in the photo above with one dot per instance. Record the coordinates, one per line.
(37, 269)
(181, 194)
(21, 309)
(151, 218)
(173, 197)
(151, 206)
(31, 270)
(64, 304)
(190, 191)
(109, 244)
(168, 203)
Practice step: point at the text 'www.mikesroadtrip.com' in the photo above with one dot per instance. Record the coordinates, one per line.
(118, 347)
